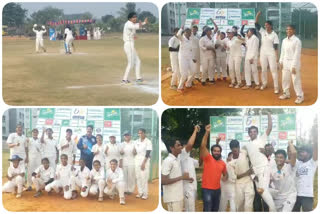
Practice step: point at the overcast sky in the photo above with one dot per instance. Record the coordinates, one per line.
(96, 8)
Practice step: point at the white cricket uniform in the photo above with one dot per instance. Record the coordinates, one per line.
(129, 32)
(235, 60)
(101, 155)
(290, 58)
(128, 166)
(252, 52)
(244, 186)
(174, 43)
(268, 56)
(39, 38)
(45, 176)
(189, 165)
(142, 176)
(117, 182)
(88, 35)
(196, 50)
(207, 58)
(283, 189)
(97, 182)
(112, 153)
(260, 167)
(305, 177)
(186, 56)
(70, 151)
(228, 191)
(17, 181)
(173, 193)
(221, 54)
(15, 139)
(63, 179)
(69, 39)
(81, 179)
(34, 148)
(49, 150)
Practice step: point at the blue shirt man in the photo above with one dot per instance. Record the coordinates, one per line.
(85, 145)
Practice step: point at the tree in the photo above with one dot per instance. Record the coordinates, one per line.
(47, 14)
(147, 14)
(128, 8)
(107, 18)
(13, 15)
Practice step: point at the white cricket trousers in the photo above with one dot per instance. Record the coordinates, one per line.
(287, 75)
(286, 204)
(270, 60)
(129, 178)
(251, 70)
(207, 64)
(56, 185)
(187, 69)
(221, 66)
(39, 43)
(34, 163)
(142, 176)
(76, 182)
(175, 68)
(69, 44)
(38, 183)
(97, 187)
(133, 60)
(176, 206)
(10, 186)
(234, 69)
(196, 69)
(244, 197)
(190, 200)
(119, 186)
(227, 194)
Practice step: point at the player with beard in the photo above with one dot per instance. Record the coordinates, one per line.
(213, 170)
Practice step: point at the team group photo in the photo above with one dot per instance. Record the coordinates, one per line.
(239, 160)
(79, 159)
(239, 54)
(80, 53)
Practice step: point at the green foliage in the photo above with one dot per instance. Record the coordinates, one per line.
(41, 17)
(13, 15)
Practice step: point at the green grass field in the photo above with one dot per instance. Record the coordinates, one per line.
(93, 72)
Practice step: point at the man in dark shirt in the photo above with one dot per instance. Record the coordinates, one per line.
(85, 145)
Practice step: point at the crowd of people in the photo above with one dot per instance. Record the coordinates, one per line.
(112, 168)
(195, 58)
(253, 178)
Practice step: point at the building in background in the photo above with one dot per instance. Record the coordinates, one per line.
(10, 119)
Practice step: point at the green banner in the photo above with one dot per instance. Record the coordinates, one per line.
(248, 14)
(65, 123)
(111, 114)
(231, 22)
(90, 122)
(193, 13)
(239, 136)
(46, 113)
(287, 122)
(218, 124)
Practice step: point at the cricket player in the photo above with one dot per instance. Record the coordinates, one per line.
(97, 180)
(282, 178)
(62, 182)
(85, 145)
(174, 45)
(207, 55)
(128, 163)
(187, 59)
(259, 162)
(221, 55)
(98, 150)
(68, 38)
(143, 148)
(16, 173)
(115, 182)
(68, 146)
(196, 49)
(42, 176)
(39, 37)
(112, 151)
(235, 59)
(81, 179)
(88, 34)
(251, 58)
(129, 35)
(34, 149)
(268, 53)
(49, 147)
(290, 64)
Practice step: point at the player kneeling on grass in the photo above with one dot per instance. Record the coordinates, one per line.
(115, 181)
(42, 176)
(81, 179)
(16, 174)
(62, 179)
(97, 180)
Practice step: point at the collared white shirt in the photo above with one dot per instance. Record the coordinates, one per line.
(45, 174)
(39, 33)
(34, 146)
(291, 50)
(14, 171)
(172, 192)
(204, 44)
(69, 33)
(128, 156)
(221, 49)
(174, 42)
(305, 177)
(142, 147)
(186, 47)
(113, 152)
(235, 47)
(257, 159)
(20, 150)
(189, 165)
(252, 45)
(267, 42)
(84, 175)
(64, 173)
(129, 31)
(49, 147)
(115, 176)
(101, 155)
(195, 46)
(241, 165)
(70, 150)
(97, 175)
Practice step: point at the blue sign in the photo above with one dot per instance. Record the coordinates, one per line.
(52, 34)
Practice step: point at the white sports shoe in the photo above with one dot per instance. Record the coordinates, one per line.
(299, 100)
(263, 87)
(284, 96)
(236, 86)
(122, 201)
(276, 91)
